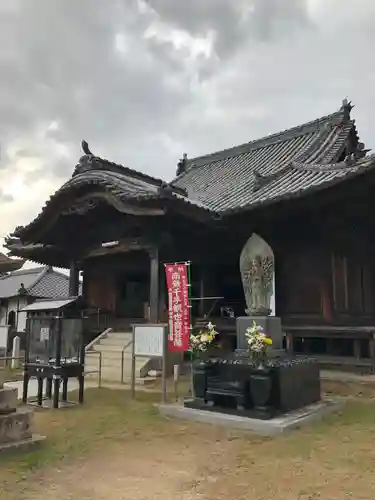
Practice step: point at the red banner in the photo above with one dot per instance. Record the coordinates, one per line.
(178, 307)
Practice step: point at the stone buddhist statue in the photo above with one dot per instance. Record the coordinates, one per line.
(257, 271)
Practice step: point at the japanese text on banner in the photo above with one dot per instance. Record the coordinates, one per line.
(178, 306)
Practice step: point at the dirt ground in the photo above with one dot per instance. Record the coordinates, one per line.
(112, 448)
(200, 462)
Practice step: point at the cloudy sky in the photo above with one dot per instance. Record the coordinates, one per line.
(144, 81)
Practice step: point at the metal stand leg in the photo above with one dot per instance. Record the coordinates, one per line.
(40, 391)
(56, 390)
(65, 390)
(25, 387)
(81, 390)
(49, 388)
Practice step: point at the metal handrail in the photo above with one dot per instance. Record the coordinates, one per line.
(4, 358)
(7, 358)
(122, 359)
(99, 371)
(101, 335)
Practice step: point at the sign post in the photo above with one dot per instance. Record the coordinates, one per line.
(150, 341)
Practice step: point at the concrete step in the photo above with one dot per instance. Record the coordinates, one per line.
(108, 364)
(114, 361)
(115, 355)
(127, 336)
(115, 375)
(108, 348)
(138, 381)
(114, 341)
(117, 383)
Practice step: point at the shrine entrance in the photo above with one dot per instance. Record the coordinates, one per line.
(132, 295)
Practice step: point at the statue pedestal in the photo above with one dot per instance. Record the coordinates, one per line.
(271, 326)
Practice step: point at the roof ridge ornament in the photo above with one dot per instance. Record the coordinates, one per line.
(87, 162)
(85, 147)
(182, 165)
(346, 107)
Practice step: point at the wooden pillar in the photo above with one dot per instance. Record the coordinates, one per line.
(73, 279)
(326, 285)
(154, 284)
(162, 299)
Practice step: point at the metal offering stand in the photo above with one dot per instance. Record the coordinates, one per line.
(54, 351)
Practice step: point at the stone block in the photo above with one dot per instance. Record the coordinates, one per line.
(270, 324)
(8, 400)
(16, 426)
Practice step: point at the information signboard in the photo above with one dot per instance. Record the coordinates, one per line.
(149, 340)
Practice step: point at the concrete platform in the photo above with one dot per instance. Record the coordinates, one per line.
(271, 427)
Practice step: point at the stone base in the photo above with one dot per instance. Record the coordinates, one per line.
(16, 426)
(22, 445)
(8, 401)
(275, 426)
(271, 325)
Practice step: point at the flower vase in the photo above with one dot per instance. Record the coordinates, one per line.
(261, 390)
(198, 379)
(260, 365)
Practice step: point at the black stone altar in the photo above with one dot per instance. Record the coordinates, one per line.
(237, 386)
(240, 386)
(55, 349)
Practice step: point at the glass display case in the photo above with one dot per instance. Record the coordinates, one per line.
(55, 349)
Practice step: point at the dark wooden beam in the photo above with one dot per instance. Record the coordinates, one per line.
(73, 279)
(119, 246)
(154, 284)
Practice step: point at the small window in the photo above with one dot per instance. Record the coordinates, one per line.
(12, 318)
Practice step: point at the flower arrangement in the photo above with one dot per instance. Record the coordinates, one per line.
(258, 342)
(200, 342)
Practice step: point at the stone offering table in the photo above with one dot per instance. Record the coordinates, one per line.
(236, 386)
(15, 422)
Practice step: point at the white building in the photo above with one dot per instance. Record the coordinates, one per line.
(22, 287)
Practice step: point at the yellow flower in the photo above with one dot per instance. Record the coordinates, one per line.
(267, 341)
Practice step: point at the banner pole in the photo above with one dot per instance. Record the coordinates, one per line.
(191, 330)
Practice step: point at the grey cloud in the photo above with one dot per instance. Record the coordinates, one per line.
(200, 17)
(5, 198)
(273, 19)
(276, 63)
(235, 21)
(65, 68)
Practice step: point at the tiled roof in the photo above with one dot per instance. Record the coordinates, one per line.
(38, 282)
(123, 183)
(291, 163)
(274, 167)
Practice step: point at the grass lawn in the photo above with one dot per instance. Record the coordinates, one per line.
(113, 448)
